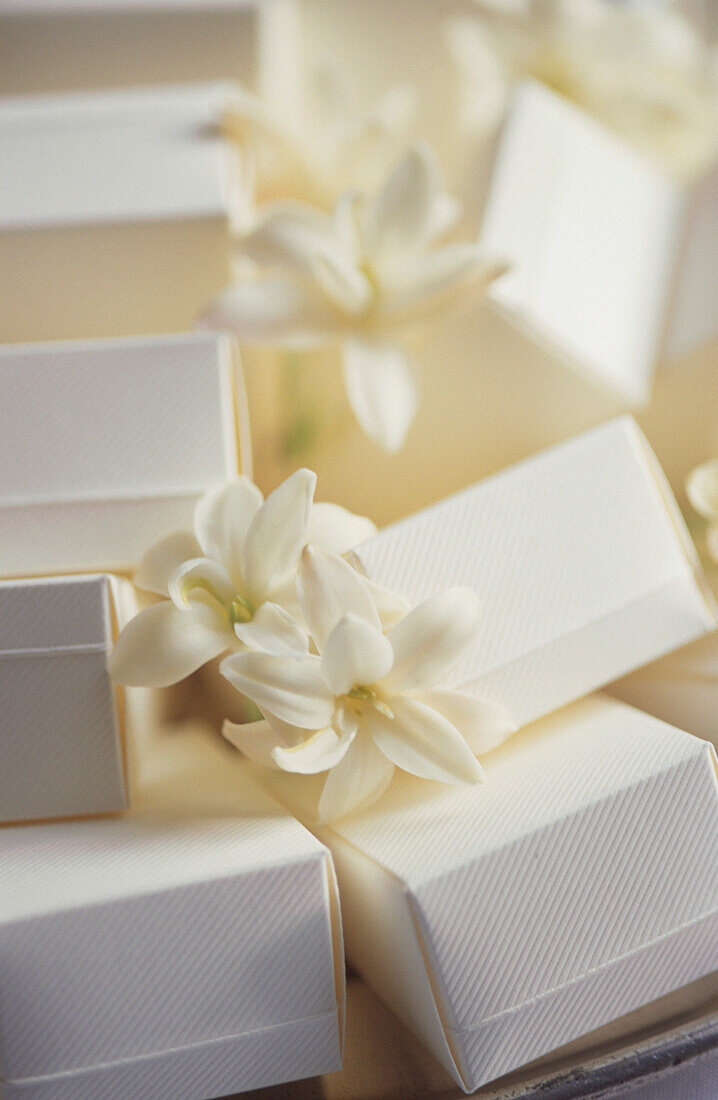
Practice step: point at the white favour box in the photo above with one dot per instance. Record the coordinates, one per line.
(582, 562)
(191, 949)
(680, 688)
(115, 210)
(105, 446)
(613, 252)
(573, 886)
(50, 45)
(62, 720)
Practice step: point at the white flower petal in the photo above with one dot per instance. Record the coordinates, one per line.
(288, 238)
(257, 740)
(483, 724)
(292, 688)
(355, 654)
(332, 527)
(399, 217)
(277, 534)
(344, 284)
(381, 391)
(421, 741)
(221, 521)
(201, 579)
(428, 642)
(702, 489)
(274, 312)
(346, 217)
(329, 588)
(159, 563)
(273, 630)
(318, 753)
(162, 645)
(356, 781)
(392, 607)
(443, 273)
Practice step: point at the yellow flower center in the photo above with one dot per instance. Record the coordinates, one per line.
(368, 695)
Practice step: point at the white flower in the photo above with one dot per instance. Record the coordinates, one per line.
(336, 144)
(368, 277)
(231, 583)
(643, 70)
(702, 490)
(367, 701)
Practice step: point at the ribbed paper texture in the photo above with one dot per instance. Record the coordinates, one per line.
(573, 886)
(579, 559)
(158, 426)
(187, 949)
(61, 749)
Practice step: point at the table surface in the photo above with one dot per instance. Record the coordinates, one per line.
(383, 1061)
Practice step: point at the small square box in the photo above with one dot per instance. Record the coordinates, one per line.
(62, 739)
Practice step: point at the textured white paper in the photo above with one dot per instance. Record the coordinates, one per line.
(190, 949)
(114, 210)
(576, 884)
(582, 562)
(61, 717)
(106, 446)
(613, 257)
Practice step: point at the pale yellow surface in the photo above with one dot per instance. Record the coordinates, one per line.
(110, 280)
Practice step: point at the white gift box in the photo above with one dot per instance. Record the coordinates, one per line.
(613, 252)
(114, 211)
(105, 446)
(576, 884)
(582, 561)
(681, 688)
(62, 736)
(189, 950)
(50, 45)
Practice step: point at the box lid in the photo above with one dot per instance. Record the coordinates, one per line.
(204, 914)
(574, 885)
(49, 613)
(120, 156)
(592, 229)
(116, 418)
(582, 562)
(125, 436)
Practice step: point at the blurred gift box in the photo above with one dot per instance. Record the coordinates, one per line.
(55, 45)
(115, 211)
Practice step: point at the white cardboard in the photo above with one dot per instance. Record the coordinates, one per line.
(613, 255)
(576, 884)
(582, 562)
(62, 750)
(188, 950)
(105, 446)
(681, 688)
(114, 210)
(50, 45)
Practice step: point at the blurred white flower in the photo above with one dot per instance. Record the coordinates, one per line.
(366, 701)
(231, 583)
(702, 490)
(371, 277)
(644, 70)
(336, 144)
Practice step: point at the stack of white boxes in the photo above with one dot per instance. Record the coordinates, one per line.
(168, 927)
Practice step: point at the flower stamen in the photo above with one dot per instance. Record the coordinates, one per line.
(241, 610)
(368, 695)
